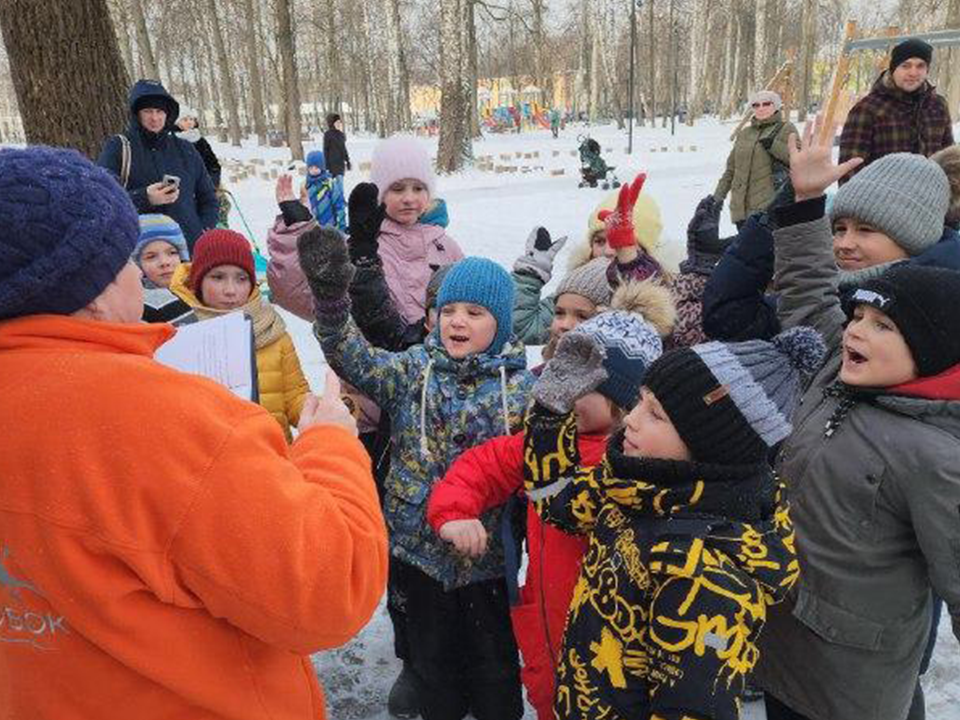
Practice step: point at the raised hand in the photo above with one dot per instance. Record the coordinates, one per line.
(284, 189)
(575, 369)
(619, 222)
(326, 264)
(539, 254)
(328, 409)
(366, 215)
(469, 537)
(812, 169)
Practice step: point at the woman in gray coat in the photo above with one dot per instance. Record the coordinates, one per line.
(872, 464)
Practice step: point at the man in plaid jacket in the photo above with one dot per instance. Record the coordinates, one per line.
(902, 112)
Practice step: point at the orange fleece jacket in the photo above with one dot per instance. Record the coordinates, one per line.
(163, 552)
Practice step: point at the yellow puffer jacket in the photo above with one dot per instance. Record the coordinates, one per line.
(283, 387)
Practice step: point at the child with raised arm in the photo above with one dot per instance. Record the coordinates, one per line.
(689, 538)
(467, 383)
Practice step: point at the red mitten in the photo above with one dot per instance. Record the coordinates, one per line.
(619, 223)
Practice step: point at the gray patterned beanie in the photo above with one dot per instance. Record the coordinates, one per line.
(732, 402)
(589, 281)
(903, 195)
(630, 344)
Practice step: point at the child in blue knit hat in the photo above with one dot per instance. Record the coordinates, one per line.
(160, 250)
(324, 193)
(467, 383)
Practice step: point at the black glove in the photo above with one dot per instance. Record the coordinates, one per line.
(538, 255)
(706, 218)
(326, 265)
(366, 215)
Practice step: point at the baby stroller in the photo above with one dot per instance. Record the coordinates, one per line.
(593, 169)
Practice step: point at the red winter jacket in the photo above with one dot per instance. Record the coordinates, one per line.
(484, 477)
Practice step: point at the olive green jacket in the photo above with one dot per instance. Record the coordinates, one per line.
(750, 166)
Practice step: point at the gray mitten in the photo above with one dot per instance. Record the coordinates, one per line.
(325, 262)
(538, 256)
(575, 369)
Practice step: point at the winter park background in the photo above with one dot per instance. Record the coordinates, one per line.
(491, 215)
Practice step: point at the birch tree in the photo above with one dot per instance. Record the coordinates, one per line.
(454, 145)
(291, 85)
(253, 71)
(226, 81)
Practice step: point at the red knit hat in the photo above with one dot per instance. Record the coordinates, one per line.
(220, 247)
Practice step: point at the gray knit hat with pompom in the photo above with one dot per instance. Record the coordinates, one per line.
(732, 402)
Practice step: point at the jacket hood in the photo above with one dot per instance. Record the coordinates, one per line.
(436, 214)
(143, 89)
(650, 300)
(945, 386)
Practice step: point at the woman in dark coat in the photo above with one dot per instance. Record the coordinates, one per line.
(335, 146)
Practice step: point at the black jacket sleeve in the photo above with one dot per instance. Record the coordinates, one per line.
(210, 160)
(736, 305)
(375, 314)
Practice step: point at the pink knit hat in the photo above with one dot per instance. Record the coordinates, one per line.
(397, 158)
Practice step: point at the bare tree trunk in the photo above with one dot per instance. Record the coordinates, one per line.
(120, 13)
(253, 70)
(397, 76)
(454, 145)
(652, 62)
(226, 81)
(147, 57)
(746, 21)
(381, 98)
(291, 87)
(952, 62)
(42, 39)
(472, 75)
(697, 88)
(808, 51)
(729, 73)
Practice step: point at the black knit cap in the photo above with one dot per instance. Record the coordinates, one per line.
(732, 402)
(910, 48)
(922, 302)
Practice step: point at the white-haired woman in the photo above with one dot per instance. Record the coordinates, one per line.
(759, 161)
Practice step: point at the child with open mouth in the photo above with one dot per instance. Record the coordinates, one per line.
(871, 466)
(467, 383)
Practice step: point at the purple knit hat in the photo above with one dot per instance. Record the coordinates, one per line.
(397, 158)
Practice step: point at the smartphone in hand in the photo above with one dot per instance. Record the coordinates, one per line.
(171, 181)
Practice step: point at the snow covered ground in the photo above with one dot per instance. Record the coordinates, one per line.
(491, 215)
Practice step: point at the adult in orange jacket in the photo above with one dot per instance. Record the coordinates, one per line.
(163, 552)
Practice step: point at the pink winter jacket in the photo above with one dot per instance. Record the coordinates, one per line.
(409, 254)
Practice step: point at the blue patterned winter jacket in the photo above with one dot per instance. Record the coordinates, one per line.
(439, 407)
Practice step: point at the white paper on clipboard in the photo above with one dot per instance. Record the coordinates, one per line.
(219, 349)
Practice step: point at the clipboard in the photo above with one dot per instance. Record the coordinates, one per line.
(221, 349)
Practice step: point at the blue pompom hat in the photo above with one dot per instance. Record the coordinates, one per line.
(481, 282)
(67, 228)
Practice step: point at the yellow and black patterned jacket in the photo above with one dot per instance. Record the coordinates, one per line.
(684, 559)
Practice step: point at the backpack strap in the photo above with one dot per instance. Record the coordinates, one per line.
(125, 160)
